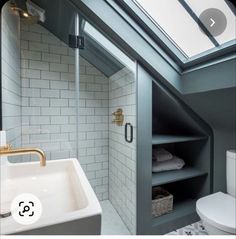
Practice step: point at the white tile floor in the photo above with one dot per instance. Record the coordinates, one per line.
(111, 221)
(112, 224)
(194, 229)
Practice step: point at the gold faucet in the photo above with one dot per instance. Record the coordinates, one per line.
(8, 151)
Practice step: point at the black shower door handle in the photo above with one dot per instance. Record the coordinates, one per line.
(131, 132)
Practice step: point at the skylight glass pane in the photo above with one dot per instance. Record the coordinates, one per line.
(109, 46)
(178, 25)
(230, 32)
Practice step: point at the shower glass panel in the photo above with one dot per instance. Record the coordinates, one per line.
(38, 86)
(107, 122)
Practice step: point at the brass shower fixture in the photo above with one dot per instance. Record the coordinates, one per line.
(118, 117)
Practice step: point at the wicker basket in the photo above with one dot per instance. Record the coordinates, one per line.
(162, 202)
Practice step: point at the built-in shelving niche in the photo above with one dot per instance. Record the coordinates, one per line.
(176, 128)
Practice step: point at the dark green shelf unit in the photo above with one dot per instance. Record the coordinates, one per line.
(194, 178)
(161, 178)
(165, 121)
(175, 128)
(168, 139)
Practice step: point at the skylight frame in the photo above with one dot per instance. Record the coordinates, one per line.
(156, 33)
(157, 25)
(162, 38)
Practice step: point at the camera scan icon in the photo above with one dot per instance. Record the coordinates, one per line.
(26, 209)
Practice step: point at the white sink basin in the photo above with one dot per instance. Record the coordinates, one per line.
(69, 204)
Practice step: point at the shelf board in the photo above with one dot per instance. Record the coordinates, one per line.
(167, 139)
(175, 175)
(180, 209)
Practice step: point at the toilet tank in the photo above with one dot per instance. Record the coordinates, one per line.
(230, 172)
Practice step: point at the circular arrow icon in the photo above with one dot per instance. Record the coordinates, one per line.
(214, 21)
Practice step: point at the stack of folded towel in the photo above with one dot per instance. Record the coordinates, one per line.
(165, 161)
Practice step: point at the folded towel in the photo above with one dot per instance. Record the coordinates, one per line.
(172, 164)
(161, 155)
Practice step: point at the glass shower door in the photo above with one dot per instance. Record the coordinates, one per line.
(38, 86)
(107, 122)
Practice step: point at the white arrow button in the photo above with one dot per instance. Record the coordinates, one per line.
(212, 22)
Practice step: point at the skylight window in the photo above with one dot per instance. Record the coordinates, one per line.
(181, 26)
(108, 46)
(230, 30)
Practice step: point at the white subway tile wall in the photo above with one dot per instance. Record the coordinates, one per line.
(49, 101)
(93, 127)
(122, 155)
(11, 82)
(45, 105)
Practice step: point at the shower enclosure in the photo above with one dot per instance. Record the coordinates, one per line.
(107, 122)
(71, 91)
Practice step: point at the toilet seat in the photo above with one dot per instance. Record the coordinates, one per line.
(218, 210)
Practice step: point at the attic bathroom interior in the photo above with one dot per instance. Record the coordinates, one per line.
(117, 120)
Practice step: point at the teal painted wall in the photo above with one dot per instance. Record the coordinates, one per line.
(218, 109)
(220, 75)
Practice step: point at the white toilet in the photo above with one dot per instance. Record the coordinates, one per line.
(218, 210)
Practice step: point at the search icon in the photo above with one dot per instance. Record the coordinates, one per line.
(26, 209)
